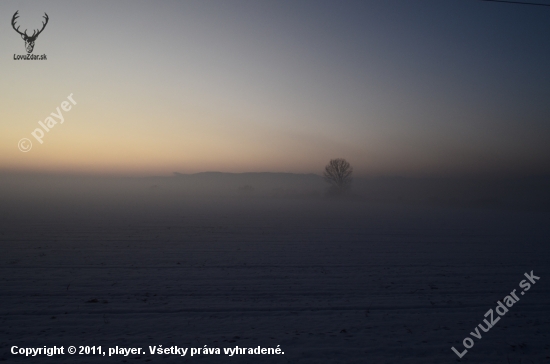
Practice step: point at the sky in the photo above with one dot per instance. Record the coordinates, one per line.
(397, 87)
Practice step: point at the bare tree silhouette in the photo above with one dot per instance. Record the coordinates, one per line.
(338, 174)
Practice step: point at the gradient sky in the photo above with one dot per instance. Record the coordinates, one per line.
(397, 87)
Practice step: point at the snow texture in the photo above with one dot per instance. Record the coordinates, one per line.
(328, 281)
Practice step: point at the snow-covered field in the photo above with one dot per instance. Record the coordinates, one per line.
(328, 281)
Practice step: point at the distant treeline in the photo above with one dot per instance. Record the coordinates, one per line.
(532, 193)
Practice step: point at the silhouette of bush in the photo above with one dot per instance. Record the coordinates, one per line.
(338, 173)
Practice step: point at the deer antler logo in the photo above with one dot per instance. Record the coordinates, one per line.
(29, 40)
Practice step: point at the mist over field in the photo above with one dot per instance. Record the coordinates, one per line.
(275, 181)
(33, 192)
(398, 270)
